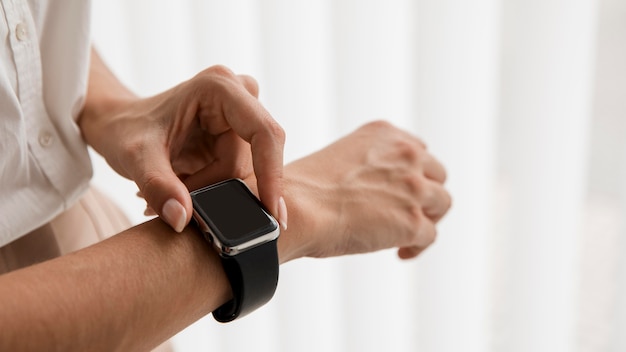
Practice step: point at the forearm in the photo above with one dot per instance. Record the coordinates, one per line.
(130, 292)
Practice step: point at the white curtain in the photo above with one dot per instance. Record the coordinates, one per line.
(524, 101)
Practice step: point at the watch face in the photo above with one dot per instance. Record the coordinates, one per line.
(232, 212)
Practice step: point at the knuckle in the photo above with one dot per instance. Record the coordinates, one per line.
(220, 71)
(150, 183)
(277, 131)
(132, 151)
(250, 83)
(379, 125)
(216, 77)
(444, 175)
(251, 80)
(242, 169)
(416, 185)
(408, 151)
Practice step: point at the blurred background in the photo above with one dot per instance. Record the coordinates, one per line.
(524, 101)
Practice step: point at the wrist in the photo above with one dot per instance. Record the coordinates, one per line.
(96, 119)
(295, 242)
(105, 93)
(308, 217)
(290, 242)
(106, 104)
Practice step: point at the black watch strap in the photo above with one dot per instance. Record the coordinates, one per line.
(253, 276)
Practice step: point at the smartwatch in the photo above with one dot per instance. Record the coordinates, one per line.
(244, 234)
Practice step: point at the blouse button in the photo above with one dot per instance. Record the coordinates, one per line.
(20, 31)
(45, 139)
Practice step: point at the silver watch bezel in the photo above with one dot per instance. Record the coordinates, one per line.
(234, 250)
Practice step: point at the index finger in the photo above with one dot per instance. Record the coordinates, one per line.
(253, 123)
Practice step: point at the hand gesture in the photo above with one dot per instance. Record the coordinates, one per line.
(206, 129)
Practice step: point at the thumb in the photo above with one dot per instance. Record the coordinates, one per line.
(162, 189)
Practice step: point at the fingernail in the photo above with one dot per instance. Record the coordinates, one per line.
(282, 213)
(175, 214)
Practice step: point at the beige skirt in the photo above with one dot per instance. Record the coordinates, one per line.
(93, 218)
(89, 221)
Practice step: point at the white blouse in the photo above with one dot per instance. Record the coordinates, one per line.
(44, 61)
